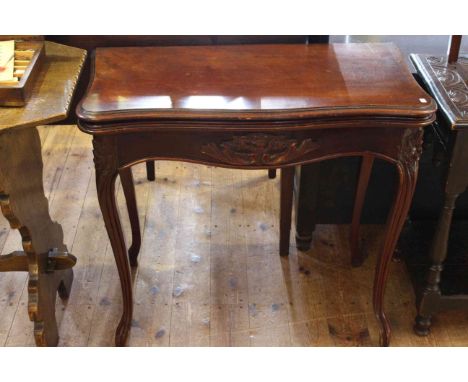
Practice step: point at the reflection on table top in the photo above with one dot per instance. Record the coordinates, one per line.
(252, 81)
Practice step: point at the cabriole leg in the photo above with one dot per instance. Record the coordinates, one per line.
(407, 166)
(105, 159)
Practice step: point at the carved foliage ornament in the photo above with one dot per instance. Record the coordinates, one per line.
(259, 149)
(105, 155)
(452, 81)
(411, 148)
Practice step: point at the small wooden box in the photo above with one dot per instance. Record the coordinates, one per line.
(18, 94)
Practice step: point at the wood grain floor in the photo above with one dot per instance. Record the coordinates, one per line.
(209, 272)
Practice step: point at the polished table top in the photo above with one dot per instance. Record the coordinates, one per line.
(253, 82)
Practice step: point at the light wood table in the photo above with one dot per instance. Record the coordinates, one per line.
(23, 203)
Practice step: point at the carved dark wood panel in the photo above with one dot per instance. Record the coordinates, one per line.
(259, 149)
(411, 147)
(448, 84)
(452, 81)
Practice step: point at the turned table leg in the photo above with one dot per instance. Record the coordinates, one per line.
(128, 187)
(105, 159)
(287, 190)
(357, 258)
(438, 253)
(44, 254)
(456, 183)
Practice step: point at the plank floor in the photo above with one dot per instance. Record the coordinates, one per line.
(209, 272)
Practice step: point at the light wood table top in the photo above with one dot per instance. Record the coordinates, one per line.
(52, 92)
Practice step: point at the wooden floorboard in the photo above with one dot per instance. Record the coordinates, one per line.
(209, 272)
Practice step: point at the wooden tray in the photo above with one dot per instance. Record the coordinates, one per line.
(18, 94)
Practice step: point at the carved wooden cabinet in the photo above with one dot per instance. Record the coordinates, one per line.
(447, 82)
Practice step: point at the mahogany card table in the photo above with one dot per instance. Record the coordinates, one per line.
(254, 107)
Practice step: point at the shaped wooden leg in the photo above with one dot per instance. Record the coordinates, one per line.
(105, 159)
(56, 275)
(128, 187)
(357, 257)
(150, 172)
(407, 171)
(394, 226)
(287, 189)
(25, 206)
(43, 313)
